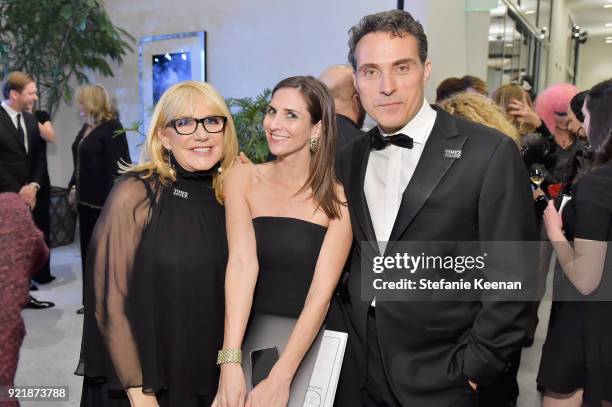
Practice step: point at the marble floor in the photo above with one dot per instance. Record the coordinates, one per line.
(50, 350)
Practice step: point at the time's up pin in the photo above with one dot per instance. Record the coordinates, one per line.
(449, 153)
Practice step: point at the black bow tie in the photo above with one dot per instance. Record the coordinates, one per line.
(378, 142)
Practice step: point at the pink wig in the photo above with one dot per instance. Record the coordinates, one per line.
(554, 99)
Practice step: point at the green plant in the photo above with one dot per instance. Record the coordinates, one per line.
(248, 114)
(57, 41)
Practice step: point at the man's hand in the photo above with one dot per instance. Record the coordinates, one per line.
(473, 385)
(243, 159)
(28, 194)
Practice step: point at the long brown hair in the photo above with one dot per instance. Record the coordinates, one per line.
(321, 177)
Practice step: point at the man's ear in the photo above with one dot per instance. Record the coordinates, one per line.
(356, 103)
(426, 71)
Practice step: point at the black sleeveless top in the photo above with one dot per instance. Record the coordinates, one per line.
(287, 250)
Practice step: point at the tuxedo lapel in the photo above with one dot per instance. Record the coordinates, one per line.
(359, 164)
(433, 165)
(7, 123)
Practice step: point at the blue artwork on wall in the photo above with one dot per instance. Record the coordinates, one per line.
(168, 69)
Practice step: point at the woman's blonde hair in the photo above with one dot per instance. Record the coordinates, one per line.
(181, 100)
(96, 102)
(502, 98)
(477, 108)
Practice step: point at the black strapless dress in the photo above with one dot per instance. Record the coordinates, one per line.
(287, 250)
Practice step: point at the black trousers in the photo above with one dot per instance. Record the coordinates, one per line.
(88, 217)
(377, 391)
(40, 214)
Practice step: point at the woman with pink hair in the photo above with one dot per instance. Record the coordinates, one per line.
(551, 105)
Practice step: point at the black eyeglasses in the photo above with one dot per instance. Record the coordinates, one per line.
(188, 125)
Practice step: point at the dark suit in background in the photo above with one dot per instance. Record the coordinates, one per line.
(429, 350)
(347, 131)
(19, 167)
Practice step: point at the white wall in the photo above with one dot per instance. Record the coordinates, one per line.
(594, 62)
(458, 42)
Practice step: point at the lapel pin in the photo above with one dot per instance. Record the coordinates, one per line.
(449, 153)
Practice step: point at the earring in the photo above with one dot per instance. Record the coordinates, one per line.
(314, 144)
(172, 170)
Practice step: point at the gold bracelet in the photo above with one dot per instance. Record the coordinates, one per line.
(229, 356)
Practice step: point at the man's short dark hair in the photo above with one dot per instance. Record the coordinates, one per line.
(396, 22)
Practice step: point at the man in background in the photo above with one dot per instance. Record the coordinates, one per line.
(23, 162)
(350, 114)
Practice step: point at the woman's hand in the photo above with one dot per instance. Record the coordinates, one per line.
(553, 222)
(524, 112)
(232, 388)
(537, 193)
(140, 399)
(72, 197)
(270, 392)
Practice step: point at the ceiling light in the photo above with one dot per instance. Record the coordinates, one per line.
(608, 24)
(607, 5)
(530, 12)
(508, 44)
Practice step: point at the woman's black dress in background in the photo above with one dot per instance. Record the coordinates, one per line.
(578, 348)
(41, 210)
(96, 157)
(158, 258)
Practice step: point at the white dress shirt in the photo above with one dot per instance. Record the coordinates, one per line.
(389, 171)
(13, 115)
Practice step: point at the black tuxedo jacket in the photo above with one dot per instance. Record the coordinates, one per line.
(431, 349)
(18, 167)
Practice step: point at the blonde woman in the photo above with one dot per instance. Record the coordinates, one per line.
(96, 152)
(518, 107)
(477, 108)
(155, 300)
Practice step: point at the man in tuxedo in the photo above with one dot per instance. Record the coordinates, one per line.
(23, 161)
(423, 175)
(350, 114)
